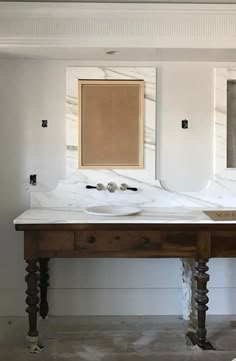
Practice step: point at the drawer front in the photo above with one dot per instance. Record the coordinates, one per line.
(223, 244)
(117, 240)
(56, 241)
(181, 241)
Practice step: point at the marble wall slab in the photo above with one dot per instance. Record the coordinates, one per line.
(113, 73)
(220, 192)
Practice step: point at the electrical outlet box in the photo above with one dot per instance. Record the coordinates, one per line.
(33, 179)
(184, 124)
(44, 123)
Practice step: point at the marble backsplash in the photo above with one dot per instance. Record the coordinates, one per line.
(220, 192)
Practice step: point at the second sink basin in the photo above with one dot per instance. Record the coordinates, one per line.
(112, 211)
(222, 215)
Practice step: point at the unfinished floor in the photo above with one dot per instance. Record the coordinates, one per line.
(159, 338)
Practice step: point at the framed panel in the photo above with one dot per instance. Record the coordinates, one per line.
(224, 124)
(110, 124)
(231, 124)
(147, 75)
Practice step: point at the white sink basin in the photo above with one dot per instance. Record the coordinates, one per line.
(222, 215)
(112, 211)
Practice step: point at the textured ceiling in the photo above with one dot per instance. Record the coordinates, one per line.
(124, 54)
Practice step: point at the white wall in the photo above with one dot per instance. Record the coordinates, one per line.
(186, 92)
(34, 90)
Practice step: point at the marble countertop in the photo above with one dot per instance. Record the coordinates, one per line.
(147, 215)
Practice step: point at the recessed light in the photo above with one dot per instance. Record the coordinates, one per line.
(112, 52)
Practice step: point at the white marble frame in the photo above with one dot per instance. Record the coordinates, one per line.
(122, 73)
(222, 75)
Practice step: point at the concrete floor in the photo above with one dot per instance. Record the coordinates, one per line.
(160, 338)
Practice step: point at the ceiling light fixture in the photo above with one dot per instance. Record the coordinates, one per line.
(112, 52)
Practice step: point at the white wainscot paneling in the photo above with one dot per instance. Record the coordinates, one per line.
(222, 273)
(116, 287)
(116, 302)
(115, 273)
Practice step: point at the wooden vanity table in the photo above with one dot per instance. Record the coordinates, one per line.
(154, 233)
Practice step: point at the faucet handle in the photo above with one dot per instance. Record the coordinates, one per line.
(124, 187)
(111, 187)
(99, 187)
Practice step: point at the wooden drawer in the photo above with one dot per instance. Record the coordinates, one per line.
(117, 240)
(181, 241)
(223, 244)
(56, 241)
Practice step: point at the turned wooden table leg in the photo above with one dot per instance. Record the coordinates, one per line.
(44, 277)
(202, 299)
(32, 302)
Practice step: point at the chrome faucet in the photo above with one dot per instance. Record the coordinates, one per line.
(111, 187)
